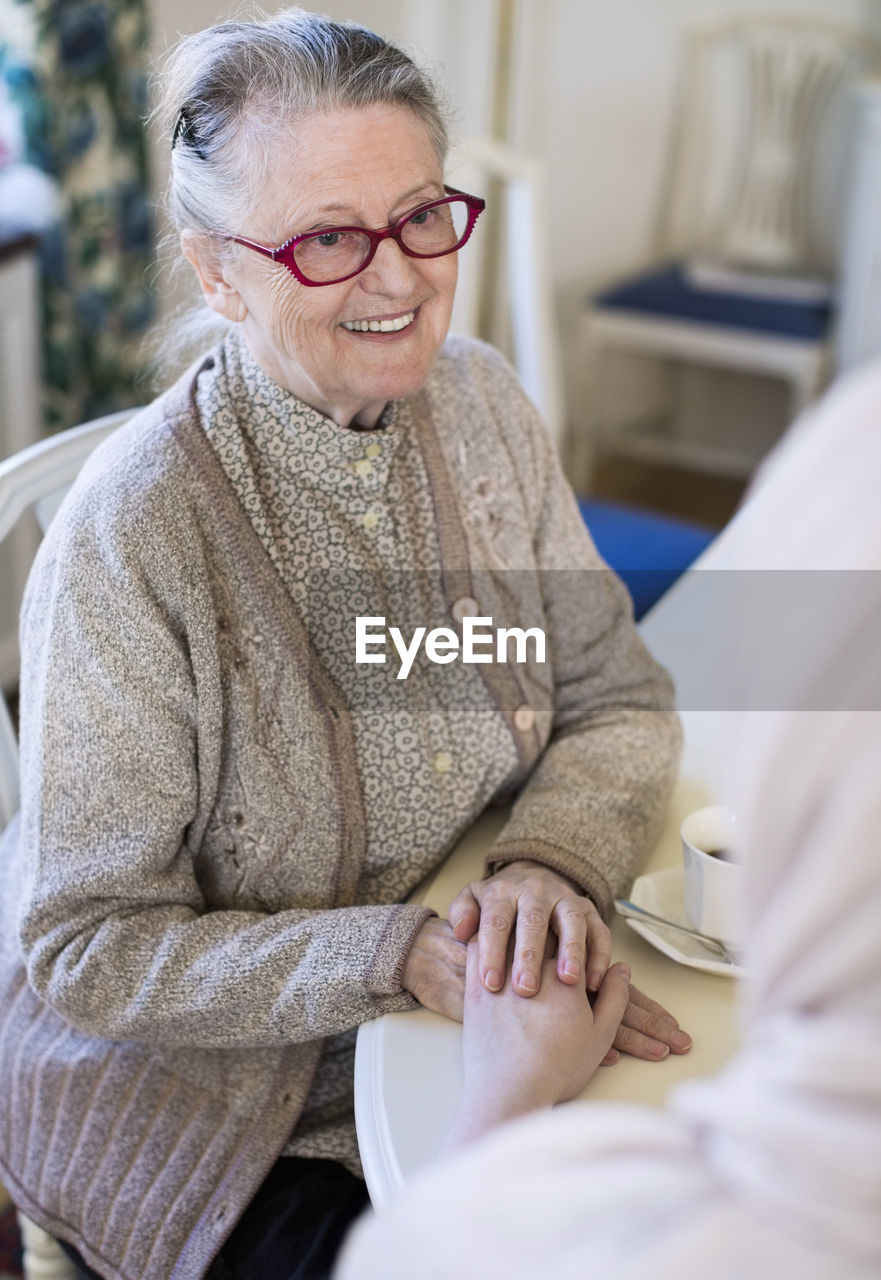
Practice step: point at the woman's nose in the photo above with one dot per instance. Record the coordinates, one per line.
(391, 271)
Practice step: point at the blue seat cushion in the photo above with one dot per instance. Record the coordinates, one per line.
(646, 550)
(667, 292)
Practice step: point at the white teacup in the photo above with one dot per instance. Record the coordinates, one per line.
(713, 880)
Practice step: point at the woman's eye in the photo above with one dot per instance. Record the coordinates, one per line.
(328, 239)
(420, 218)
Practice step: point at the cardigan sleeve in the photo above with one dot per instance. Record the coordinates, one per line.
(594, 803)
(118, 733)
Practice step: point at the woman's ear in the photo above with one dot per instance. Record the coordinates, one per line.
(220, 293)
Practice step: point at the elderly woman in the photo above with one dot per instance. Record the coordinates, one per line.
(228, 795)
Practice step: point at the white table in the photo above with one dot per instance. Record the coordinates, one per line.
(408, 1074)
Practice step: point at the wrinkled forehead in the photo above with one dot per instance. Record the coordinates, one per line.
(364, 164)
(262, 132)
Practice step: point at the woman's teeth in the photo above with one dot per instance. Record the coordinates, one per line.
(379, 326)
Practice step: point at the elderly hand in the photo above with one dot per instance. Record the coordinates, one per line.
(434, 971)
(530, 901)
(522, 1054)
(647, 1030)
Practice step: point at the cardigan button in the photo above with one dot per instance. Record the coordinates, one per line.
(467, 607)
(524, 718)
(443, 762)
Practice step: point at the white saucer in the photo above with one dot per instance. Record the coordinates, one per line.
(663, 892)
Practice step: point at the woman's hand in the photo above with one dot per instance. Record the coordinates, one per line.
(528, 900)
(434, 971)
(647, 1030)
(522, 1054)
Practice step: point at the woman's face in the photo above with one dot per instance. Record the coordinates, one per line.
(365, 168)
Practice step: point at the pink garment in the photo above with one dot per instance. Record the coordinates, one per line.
(773, 1168)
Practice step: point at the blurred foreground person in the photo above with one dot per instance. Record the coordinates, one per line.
(772, 1168)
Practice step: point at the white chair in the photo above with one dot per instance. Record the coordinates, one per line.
(746, 246)
(513, 306)
(20, 412)
(505, 290)
(859, 311)
(36, 480)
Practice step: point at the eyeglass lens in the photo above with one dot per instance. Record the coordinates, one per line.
(331, 255)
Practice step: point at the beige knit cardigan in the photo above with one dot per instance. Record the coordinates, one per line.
(158, 1031)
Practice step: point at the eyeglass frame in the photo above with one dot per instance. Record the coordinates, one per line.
(475, 204)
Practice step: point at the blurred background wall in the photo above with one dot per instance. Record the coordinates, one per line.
(593, 89)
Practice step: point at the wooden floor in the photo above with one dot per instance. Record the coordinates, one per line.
(710, 500)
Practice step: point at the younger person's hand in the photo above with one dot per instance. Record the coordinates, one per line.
(521, 1054)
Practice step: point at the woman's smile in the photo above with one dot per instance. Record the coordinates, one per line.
(381, 324)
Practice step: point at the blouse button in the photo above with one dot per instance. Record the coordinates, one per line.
(467, 607)
(362, 468)
(370, 520)
(443, 762)
(373, 450)
(524, 718)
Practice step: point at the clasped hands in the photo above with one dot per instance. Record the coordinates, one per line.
(513, 922)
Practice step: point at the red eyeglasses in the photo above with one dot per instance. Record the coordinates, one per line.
(338, 253)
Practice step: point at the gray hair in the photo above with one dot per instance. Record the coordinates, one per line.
(226, 89)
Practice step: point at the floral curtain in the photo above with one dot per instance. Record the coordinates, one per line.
(77, 70)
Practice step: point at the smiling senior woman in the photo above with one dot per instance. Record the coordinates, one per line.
(223, 811)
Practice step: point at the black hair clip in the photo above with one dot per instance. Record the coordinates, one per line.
(183, 129)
